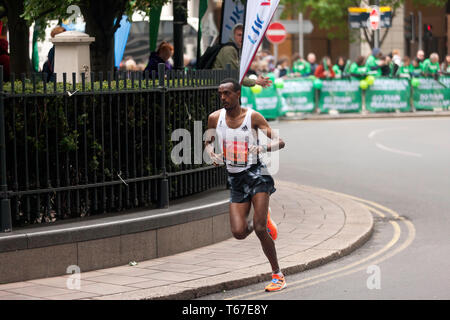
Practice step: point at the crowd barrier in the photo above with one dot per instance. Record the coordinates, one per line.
(306, 95)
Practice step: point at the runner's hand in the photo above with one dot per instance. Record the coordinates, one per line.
(216, 158)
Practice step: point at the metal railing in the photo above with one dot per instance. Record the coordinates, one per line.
(69, 150)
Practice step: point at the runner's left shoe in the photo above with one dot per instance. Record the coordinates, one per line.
(278, 283)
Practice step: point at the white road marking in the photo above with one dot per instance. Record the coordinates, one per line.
(373, 133)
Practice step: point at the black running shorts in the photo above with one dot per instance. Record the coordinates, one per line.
(244, 185)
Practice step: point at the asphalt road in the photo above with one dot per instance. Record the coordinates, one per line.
(402, 166)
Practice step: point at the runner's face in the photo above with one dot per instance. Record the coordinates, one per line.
(228, 97)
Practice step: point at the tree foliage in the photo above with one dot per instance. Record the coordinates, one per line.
(331, 15)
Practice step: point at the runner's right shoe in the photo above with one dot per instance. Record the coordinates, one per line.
(271, 227)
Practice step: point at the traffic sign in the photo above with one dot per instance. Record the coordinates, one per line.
(374, 18)
(360, 17)
(276, 33)
(291, 26)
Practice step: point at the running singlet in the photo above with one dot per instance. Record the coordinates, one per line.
(234, 143)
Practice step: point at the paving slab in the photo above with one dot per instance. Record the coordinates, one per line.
(315, 227)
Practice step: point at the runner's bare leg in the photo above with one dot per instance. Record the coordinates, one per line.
(260, 203)
(238, 219)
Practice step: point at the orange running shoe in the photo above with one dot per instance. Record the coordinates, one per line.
(271, 227)
(278, 283)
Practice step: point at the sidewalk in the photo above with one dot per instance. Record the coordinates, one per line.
(364, 115)
(315, 227)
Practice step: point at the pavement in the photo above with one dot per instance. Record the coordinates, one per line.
(333, 115)
(315, 226)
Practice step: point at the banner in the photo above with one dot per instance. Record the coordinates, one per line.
(232, 14)
(297, 96)
(258, 15)
(340, 95)
(268, 103)
(432, 94)
(247, 98)
(387, 95)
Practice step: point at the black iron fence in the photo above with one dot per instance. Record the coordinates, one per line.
(70, 150)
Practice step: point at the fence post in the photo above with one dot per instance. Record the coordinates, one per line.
(5, 208)
(164, 183)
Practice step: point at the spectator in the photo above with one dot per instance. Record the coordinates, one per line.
(396, 58)
(405, 70)
(161, 55)
(253, 68)
(445, 66)
(325, 69)
(312, 61)
(339, 67)
(393, 67)
(421, 57)
(385, 66)
(416, 70)
(358, 69)
(300, 66)
(373, 63)
(430, 67)
(4, 59)
(49, 65)
(230, 55)
(282, 68)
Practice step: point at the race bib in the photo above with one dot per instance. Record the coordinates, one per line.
(235, 153)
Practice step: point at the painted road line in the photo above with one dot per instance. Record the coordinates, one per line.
(389, 245)
(299, 284)
(373, 133)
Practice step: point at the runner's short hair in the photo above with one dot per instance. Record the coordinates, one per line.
(236, 85)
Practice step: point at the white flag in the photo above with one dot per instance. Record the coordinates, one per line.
(258, 16)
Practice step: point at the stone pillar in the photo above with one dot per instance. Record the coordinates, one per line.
(72, 54)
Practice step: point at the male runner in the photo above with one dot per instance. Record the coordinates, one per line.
(236, 130)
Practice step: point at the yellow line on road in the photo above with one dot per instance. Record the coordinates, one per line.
(390, 244)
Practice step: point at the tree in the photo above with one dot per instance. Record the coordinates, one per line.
(102, 19)
(18, 36)
(332, 15)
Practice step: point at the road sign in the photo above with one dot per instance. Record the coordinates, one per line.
(291, 26)
(276, 33)
(358, 17)
(374, 18)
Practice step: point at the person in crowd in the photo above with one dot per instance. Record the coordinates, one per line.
(416, 69)
(311, 58)
(420, 55)
(162, 55)
(430, 66)
(339, 67)
(358, 69)
(4, 59)
(300, 66)
(282, 68)
(373, 63)
(393, 67)
(445, 66)
(49, 65)
(325, 69)
(396, 58)
(404, 71)
(230, 55)
(385, 64)
(253, 70)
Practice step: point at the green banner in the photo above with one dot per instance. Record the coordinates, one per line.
(387, 95)
(432, 94)
(247, 98)
(268, 102)
(340, 95)
(297, 96)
